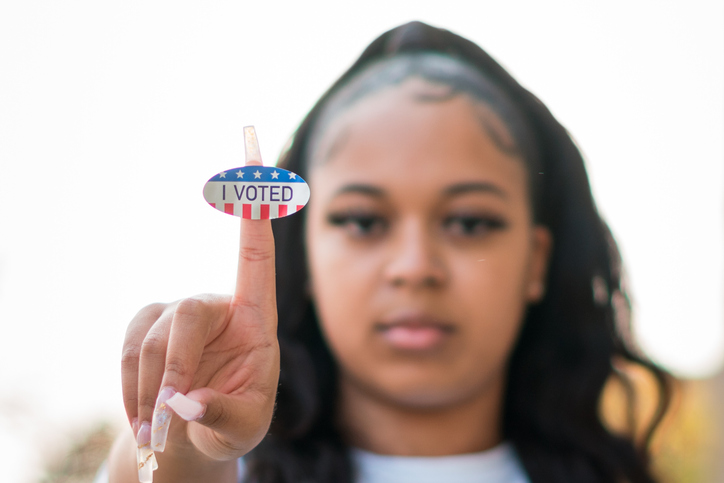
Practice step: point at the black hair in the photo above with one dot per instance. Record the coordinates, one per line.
(568, 343)
(456, 77)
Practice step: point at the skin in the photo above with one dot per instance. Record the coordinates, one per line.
(419, 219)
(423, 258)
(221, 351)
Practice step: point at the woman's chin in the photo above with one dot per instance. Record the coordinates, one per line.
(425, 394)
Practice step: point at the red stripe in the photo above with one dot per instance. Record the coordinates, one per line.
(282, 210)
(299, 207)
(264, 214)
(213, 204)
(229, 208)
(246, 211)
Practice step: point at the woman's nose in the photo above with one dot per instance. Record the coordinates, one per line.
(414, 260)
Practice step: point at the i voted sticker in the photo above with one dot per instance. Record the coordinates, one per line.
(257, 192)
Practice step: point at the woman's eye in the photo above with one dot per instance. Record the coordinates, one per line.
(359, 225)
(473, 225)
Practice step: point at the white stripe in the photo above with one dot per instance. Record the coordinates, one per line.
(255, 211)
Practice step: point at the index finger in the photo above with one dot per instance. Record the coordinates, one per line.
(255, 278)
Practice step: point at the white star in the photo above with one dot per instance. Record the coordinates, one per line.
(275, 175)
(239, 174)
(292, 176)
(257, 175)
(222, 174)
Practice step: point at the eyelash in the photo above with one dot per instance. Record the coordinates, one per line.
(474, 225)
(363, 225)
(359, 224)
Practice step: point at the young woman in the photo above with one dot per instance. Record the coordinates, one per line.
(448, 307)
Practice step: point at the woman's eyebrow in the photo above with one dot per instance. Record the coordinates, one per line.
(364, 189)
(482, 186)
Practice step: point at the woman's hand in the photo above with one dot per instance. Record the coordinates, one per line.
(220, 351)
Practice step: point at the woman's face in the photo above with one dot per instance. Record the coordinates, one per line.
(421, 246)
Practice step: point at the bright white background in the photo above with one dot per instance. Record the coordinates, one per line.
(113, 114)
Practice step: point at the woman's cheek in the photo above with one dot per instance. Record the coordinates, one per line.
(341, 286)
(493, 282)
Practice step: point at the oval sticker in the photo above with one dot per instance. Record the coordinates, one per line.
(257, 192)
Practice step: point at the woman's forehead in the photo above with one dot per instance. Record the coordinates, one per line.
(438, 78)
(394, 141)
(413, 116)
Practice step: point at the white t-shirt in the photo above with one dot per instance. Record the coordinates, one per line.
(497, 465)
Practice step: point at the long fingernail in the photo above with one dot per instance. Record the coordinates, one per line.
(186, 407)
(251, 145)
(134, 425)
(144, 454)
(161, 419)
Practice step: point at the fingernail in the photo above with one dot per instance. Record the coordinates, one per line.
(251, 145)
(134, 425)
(185, 407)
(161, 419)
(144, 454)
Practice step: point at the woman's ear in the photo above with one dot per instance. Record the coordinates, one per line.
(542, 241)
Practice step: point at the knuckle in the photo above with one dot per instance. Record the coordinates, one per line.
(130, 355)
(147, 401)
(192, 306)
(200, 309)
(154, 308)
(140, 321)
(253, 254)
(131, 400)
(252, 306)
(177, 367)
(153, 311)
(153, 344)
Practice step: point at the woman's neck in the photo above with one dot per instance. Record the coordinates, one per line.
(387, 427)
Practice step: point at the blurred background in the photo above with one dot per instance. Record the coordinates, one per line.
(114, 114)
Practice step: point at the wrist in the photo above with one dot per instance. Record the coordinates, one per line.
(182, 461)
(179, 463)
(188, 466)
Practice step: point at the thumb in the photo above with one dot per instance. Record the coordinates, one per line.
(240, 423)
(188, 407)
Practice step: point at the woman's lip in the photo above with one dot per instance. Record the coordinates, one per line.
(414, 331)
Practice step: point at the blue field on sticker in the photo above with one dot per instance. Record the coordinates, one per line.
(258, 174)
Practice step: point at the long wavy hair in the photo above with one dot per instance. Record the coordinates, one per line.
(568, 343)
